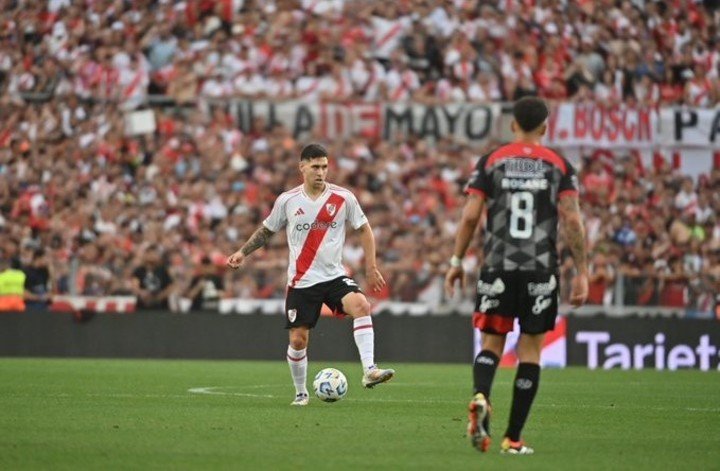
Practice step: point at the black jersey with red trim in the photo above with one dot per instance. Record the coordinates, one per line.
(522, 185)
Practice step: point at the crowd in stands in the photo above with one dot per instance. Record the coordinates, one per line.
(86, 209)
(632, 51)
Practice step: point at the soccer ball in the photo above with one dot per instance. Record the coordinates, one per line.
(330, 385)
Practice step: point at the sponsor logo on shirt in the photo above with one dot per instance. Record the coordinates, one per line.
(525, 168)
(316, 225)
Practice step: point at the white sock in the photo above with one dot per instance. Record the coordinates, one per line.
(297, 360)
(365, 340)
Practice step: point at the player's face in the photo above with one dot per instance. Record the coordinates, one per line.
(314, 171)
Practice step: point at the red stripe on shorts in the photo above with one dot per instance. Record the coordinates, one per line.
(493, 323)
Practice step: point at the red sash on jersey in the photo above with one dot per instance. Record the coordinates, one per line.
(389, 35)
(132, 86)
(313, 87)
(316, 236)
(370, 80)
(398, 93)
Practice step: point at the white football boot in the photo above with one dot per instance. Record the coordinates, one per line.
(301, 399)
(375, 376)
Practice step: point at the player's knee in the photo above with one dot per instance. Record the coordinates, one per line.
(298, 340)
(362, 307)
(298, 343)
(356, 305)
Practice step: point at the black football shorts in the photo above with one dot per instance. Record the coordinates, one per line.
(529, 296)
(303, 305)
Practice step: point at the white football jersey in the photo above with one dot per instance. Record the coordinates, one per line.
(315, 232)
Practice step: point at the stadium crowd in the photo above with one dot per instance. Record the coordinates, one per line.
(89, 210)
(646, 52)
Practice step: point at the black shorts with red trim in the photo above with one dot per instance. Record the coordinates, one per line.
(529, 296)
(303, 305)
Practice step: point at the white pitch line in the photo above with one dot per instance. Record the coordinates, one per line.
(213, 390)
(210, 390)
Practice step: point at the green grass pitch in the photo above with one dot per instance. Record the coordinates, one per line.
(118, 414)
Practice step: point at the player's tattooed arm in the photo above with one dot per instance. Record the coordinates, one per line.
(572, 222)
(259, 238)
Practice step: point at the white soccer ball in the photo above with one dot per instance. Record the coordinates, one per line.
(330, 385)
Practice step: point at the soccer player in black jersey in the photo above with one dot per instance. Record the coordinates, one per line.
(525, 187)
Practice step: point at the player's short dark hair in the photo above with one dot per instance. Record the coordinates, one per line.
(313, 151)
(530, 112)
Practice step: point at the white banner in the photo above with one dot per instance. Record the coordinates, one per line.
(464, 122)
(571, 125)
(690, 127)
(590, 125)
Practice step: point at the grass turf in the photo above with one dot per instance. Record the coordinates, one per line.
(117, 414)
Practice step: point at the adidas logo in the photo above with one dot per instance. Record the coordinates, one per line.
(299, 212)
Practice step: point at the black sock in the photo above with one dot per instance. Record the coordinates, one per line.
(526, 385)
(486, 363)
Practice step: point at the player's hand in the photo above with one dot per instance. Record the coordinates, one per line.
(236, 259)
(374, 278)
(454, 274)
(579, 290)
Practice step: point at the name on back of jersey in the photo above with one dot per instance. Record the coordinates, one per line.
(523, 184)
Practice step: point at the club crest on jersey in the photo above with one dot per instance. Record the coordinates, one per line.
(292, 315)
(330, 208)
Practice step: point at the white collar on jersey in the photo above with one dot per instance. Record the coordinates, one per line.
(325, 191)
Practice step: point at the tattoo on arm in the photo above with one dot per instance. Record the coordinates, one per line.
(574, 231)
(257, 240)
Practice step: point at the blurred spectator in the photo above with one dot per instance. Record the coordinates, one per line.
(12, 287)
(38, 284)
(598, 183)
(151, 281)
(602, 277)
(206, 287)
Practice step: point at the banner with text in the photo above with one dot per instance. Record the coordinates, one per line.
(463, 122)
(690, 127)
(591, 125)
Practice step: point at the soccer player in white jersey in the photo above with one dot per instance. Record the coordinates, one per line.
(314, 216)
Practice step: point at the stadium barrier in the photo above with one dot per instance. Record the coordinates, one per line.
(615, 308)
(154, 334)
(592, 342)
